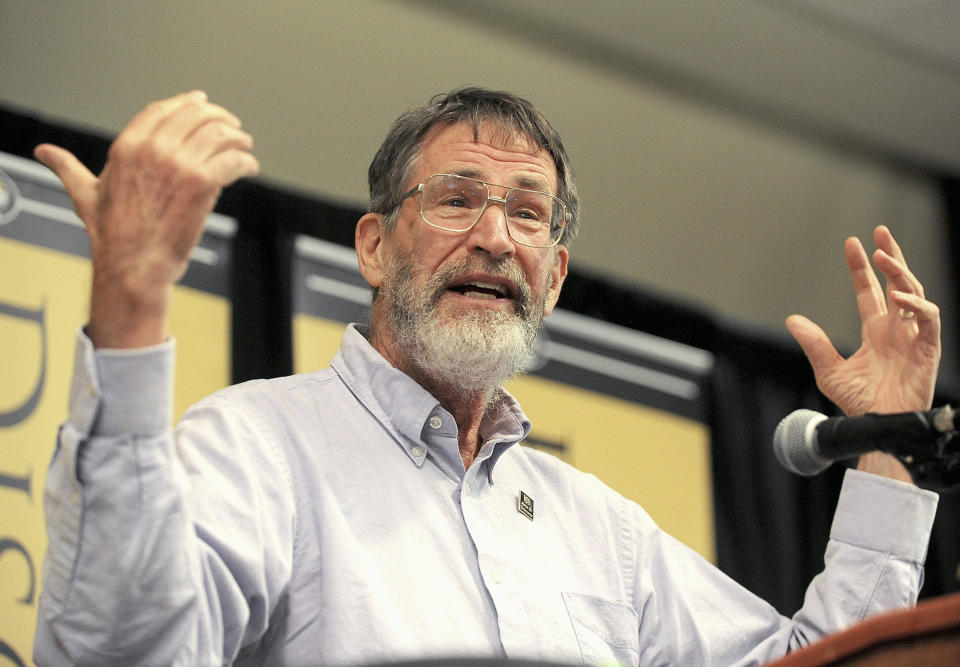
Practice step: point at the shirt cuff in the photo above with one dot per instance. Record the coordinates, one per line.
(883, 514)
(116, 392)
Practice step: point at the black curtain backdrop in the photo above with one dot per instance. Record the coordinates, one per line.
(772, 526)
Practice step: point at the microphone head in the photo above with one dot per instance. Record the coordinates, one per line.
(795, 443)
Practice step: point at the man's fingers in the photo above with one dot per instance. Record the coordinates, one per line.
(71, 172)
(883, 239)
(187, 119)
(897, 274)
(79, 183)
(214, 138)
(181, 135)
(890, 260)
(228, 166)
(815, 344)
(913, 308)
(155, 113)
(870, 297)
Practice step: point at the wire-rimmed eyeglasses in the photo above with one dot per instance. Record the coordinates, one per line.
(455, 203)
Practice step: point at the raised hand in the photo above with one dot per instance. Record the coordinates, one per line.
(895, 368)
(146, 210)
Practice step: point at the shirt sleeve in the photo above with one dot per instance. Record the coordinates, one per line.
(135, 572)
(875, 556)
(691, 613)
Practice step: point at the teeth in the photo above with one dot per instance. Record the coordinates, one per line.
(497, 288)
(479, 295)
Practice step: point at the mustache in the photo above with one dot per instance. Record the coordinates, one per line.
(436, 286)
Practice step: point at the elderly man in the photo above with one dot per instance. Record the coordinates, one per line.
(369, 511)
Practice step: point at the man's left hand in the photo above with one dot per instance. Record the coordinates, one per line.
(895, 368)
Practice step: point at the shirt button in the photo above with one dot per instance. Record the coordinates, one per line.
(466, 489)
(417, 451)
(435, 422)
(496, 578)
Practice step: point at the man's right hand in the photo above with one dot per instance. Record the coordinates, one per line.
(146, 210)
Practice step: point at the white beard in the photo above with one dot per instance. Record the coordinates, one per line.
(475, 350)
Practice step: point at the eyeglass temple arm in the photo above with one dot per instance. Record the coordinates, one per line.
(409, 193)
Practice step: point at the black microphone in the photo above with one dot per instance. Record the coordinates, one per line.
(807, 442)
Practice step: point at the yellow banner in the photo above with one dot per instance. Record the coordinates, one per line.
(43, 300)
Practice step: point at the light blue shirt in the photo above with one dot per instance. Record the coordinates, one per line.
(326, 518)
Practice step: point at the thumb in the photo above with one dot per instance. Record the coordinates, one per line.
(78, 181)
(820, 352)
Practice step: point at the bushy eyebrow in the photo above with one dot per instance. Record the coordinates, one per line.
(523, 182)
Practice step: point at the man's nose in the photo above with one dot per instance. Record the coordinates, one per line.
(491, 233)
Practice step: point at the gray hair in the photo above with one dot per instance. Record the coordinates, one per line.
(391, 167)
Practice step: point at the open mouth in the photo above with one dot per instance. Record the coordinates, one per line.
(482, 290)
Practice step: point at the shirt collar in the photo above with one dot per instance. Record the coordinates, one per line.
(404, 407)
(504, 425)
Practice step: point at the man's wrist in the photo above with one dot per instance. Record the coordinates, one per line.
(885, 465)
(122, 318)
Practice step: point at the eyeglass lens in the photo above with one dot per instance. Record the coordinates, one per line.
(456, 202)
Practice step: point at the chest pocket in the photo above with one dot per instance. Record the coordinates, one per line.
(607, 631)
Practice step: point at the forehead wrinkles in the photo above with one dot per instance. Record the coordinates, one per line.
(510, 156)
(454, 148)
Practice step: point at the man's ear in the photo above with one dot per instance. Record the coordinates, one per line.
(557, 275)
(368, 241)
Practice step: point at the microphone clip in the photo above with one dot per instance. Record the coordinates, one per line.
(937, 465)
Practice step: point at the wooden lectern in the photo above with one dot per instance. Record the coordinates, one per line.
(927, 635)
